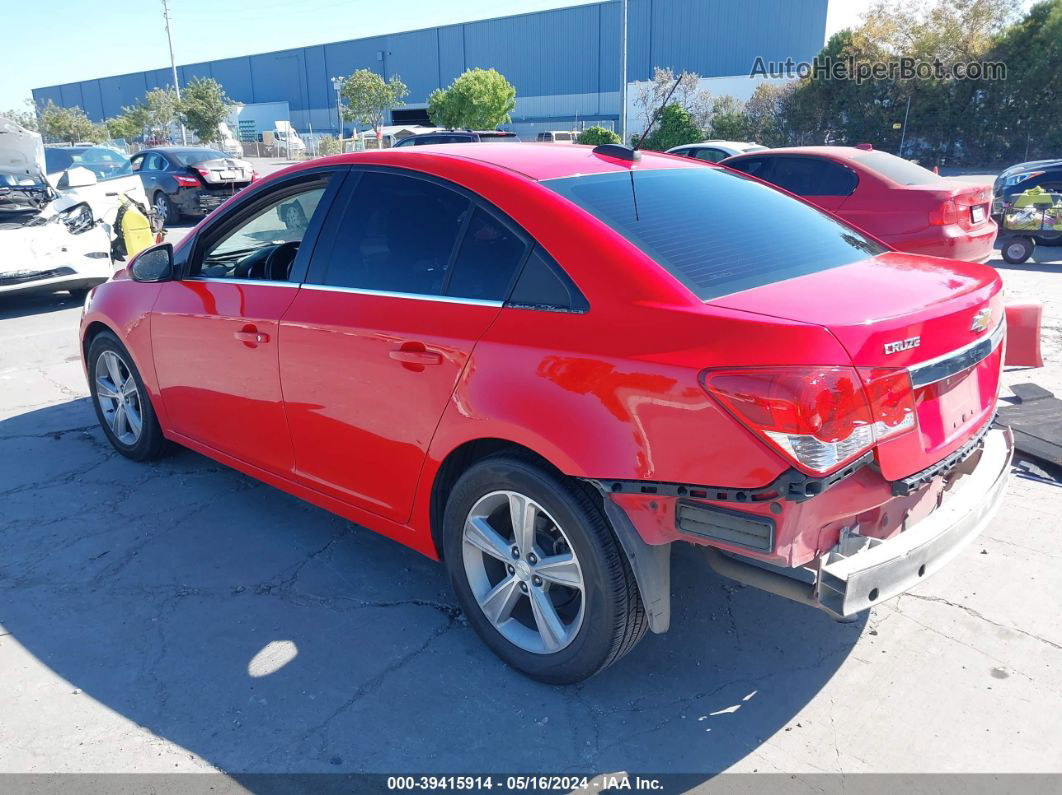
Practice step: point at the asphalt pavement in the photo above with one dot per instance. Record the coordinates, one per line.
(178, 616)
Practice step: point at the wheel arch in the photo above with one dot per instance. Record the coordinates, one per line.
(651, 565)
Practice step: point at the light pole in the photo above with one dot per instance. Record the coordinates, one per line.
(173, 66)
(337, 84)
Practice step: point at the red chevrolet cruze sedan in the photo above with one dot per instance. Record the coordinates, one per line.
(902, 204)
(545, 365)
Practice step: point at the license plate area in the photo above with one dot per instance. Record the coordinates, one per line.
(977, 214)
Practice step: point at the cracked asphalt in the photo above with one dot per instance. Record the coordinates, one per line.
(178, 616)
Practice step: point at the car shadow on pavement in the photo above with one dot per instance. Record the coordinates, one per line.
(12, 306)
(265, 635)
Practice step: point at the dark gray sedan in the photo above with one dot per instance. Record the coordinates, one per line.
(189, 180)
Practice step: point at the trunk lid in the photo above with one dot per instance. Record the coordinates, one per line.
(934, 317)
(223, 171)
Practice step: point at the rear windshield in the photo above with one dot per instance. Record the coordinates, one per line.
(900, 171)
(716, 231)
(193, 156)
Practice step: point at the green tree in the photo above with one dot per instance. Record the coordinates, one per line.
(674, 128)
(24, 118)
(729, 122)
(203, 107)
(124, 126)
(368, 97)
(597, 135)
(65, 124)
(156, 112)
(479, 99)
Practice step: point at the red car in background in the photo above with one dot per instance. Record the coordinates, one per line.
(900, 203)
(547, 364)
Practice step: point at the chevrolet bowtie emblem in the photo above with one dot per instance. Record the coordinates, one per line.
(981, 321)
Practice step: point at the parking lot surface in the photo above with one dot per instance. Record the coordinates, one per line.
(178, 616)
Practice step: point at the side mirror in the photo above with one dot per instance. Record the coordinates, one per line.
(77, 177)
(153, 264)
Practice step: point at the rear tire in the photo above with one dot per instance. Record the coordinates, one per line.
(562, 600)
(1017, 250)
(121, 400)
(166, 209)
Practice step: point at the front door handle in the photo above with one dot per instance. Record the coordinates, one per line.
(416, 357)
(251, 336)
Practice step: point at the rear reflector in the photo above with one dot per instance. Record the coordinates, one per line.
(719, 524)
(819, 417)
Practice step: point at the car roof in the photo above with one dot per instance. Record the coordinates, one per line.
(537, 161)
(731, 144)
(834, 152)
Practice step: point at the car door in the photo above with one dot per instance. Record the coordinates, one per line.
(150, 167)
(414, 273)
(214, 332)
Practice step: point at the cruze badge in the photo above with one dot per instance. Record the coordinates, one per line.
(902, 345)
(981, 321)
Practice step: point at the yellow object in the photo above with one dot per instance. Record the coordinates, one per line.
(136, 231)
(1034, 197)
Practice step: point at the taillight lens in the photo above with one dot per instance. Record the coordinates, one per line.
(944, 215)
(819, 417)
(186, 182)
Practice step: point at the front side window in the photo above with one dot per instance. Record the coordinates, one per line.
(264, 246)
(716, 231)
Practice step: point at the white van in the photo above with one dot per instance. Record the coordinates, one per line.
(288, 141)
(229, 144)
(558, 137)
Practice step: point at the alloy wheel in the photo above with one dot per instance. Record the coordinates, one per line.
(523, 572)
(118, 397)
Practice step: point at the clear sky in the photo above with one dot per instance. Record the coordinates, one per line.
(47, 42)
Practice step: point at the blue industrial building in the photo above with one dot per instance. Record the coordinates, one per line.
(564, 63)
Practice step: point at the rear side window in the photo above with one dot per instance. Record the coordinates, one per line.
(715, 231)
(811, 176)
(711, 155)
(901, 171)
(544, 285)
(486, 260)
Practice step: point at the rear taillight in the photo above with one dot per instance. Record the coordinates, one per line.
(819, 417)
(944, 215)
(186, 182)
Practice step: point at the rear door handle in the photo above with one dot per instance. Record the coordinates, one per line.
(251, 336)
(416, 357)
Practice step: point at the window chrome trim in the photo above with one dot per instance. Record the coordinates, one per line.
(224, 280)
(929, 372)
(445, 299)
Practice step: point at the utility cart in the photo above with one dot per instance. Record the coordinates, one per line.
(1036, 215)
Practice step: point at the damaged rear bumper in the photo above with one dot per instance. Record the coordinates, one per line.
(861, 571)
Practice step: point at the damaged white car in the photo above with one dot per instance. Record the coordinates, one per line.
(57, 232)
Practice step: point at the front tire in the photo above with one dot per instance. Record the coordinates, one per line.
(538, 571)
(121, 400)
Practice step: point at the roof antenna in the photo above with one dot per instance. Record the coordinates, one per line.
(663, 105)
